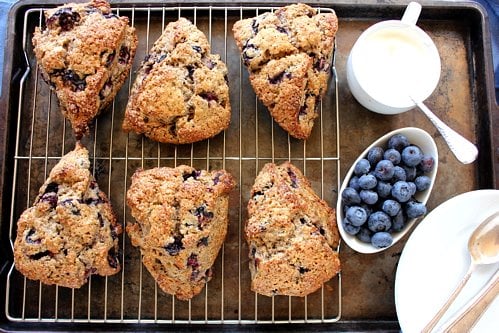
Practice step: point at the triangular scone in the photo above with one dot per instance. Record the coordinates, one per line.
(85, 53)
(181, 93)
(182, 220)
(291, 233)
(71, 231)
(288, 56)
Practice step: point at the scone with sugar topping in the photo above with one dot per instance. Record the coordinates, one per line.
(288, 55)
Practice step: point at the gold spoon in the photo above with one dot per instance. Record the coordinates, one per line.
(483, 247)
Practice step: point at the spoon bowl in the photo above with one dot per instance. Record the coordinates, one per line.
(484, 242)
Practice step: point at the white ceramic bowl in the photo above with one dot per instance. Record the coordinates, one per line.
(416, 137)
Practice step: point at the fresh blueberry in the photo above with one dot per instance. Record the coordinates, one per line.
(381, 240)
(369, 197)
(399, 174)
(374, 155)
(422, 183)
(398, 142)
(379, 221)
(356, 215)
(412, 156)
(401, 191)
(362, 167)
(354, 183)
(350, 228)
(427, 163)
(364, 235)
(384, 189)
(350, 196)
(367, 182)
(412, 187)
(391, 207)
(415, 209)
(367, 208)
(410, 173)
(392, 155)
(384, 170)
(398, 221)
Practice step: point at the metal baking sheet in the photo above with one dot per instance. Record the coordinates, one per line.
(34, 137)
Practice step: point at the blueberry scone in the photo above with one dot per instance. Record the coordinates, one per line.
(85, 53)
(71, 231)
(288, 56)
(291, 233)
(180, 94)
(182, 219)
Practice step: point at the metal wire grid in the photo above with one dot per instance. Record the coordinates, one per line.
(30, 152)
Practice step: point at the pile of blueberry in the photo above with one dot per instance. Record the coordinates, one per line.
(380, 198)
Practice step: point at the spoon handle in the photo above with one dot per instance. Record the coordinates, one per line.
(469, 314)
(465, 151)
(433, 322)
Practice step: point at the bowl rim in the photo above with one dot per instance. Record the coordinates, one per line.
(416, 136)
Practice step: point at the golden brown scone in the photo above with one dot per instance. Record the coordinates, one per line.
(71, 231)
(85, 53)
(182, 219)
(288, 56)
(291, 233)
(181, 93)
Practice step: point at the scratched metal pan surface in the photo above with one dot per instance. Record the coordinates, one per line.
(34, 136)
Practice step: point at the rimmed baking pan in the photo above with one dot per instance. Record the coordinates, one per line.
(34, 137)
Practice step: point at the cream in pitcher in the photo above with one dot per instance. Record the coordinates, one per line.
(393, 61)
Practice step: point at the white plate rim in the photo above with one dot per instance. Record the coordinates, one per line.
(413, 311)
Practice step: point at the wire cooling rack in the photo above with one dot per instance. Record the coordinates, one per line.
(252, 140)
